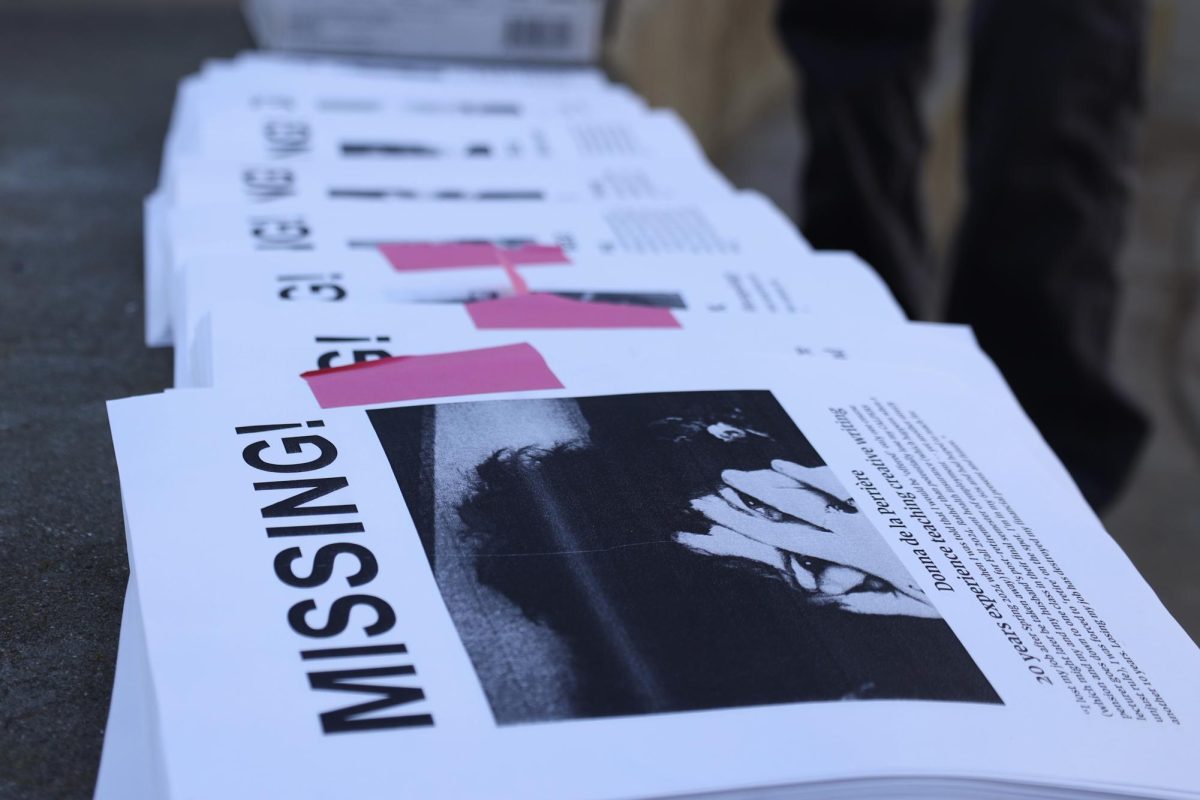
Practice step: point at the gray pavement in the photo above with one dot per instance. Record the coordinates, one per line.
(84, 103)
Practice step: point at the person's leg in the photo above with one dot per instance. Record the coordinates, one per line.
(1054, 101)
(863, 62)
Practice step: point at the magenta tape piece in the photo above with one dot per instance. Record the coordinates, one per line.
(550, 311)
(533, 254)
(409, 256)
(509, 368)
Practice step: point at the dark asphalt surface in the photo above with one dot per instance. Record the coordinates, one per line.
(85, 97)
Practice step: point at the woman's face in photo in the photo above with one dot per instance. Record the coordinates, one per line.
(797, 520)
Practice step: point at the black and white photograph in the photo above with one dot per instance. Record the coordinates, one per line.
(665, 552)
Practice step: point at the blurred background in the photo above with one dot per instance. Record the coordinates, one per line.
(718, 63)
(85, 93)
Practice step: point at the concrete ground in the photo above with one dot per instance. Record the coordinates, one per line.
(84, 102)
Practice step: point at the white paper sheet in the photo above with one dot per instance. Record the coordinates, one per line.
(253, 345)
(297, 138)
(222, 737)
(825, 285)
(261, 185)
(707, 230)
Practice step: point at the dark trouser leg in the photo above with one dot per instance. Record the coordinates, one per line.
(1055, 98)
(863, 62)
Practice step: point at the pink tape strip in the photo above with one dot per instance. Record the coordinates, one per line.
(509, 368)
(529, 254)
(407, 256)
(551, 311)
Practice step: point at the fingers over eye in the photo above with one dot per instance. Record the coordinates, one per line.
(820, 478)
(892, 604)
(794, 470)
(805, 577)
(775, 497)
(838, 579)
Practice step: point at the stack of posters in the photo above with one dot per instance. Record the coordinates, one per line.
(513, 453)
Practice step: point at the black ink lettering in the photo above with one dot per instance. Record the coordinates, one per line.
(326, 529)
(322, 569)
(349, 719)
(339, 616)
(292, 445)
(314, 489)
